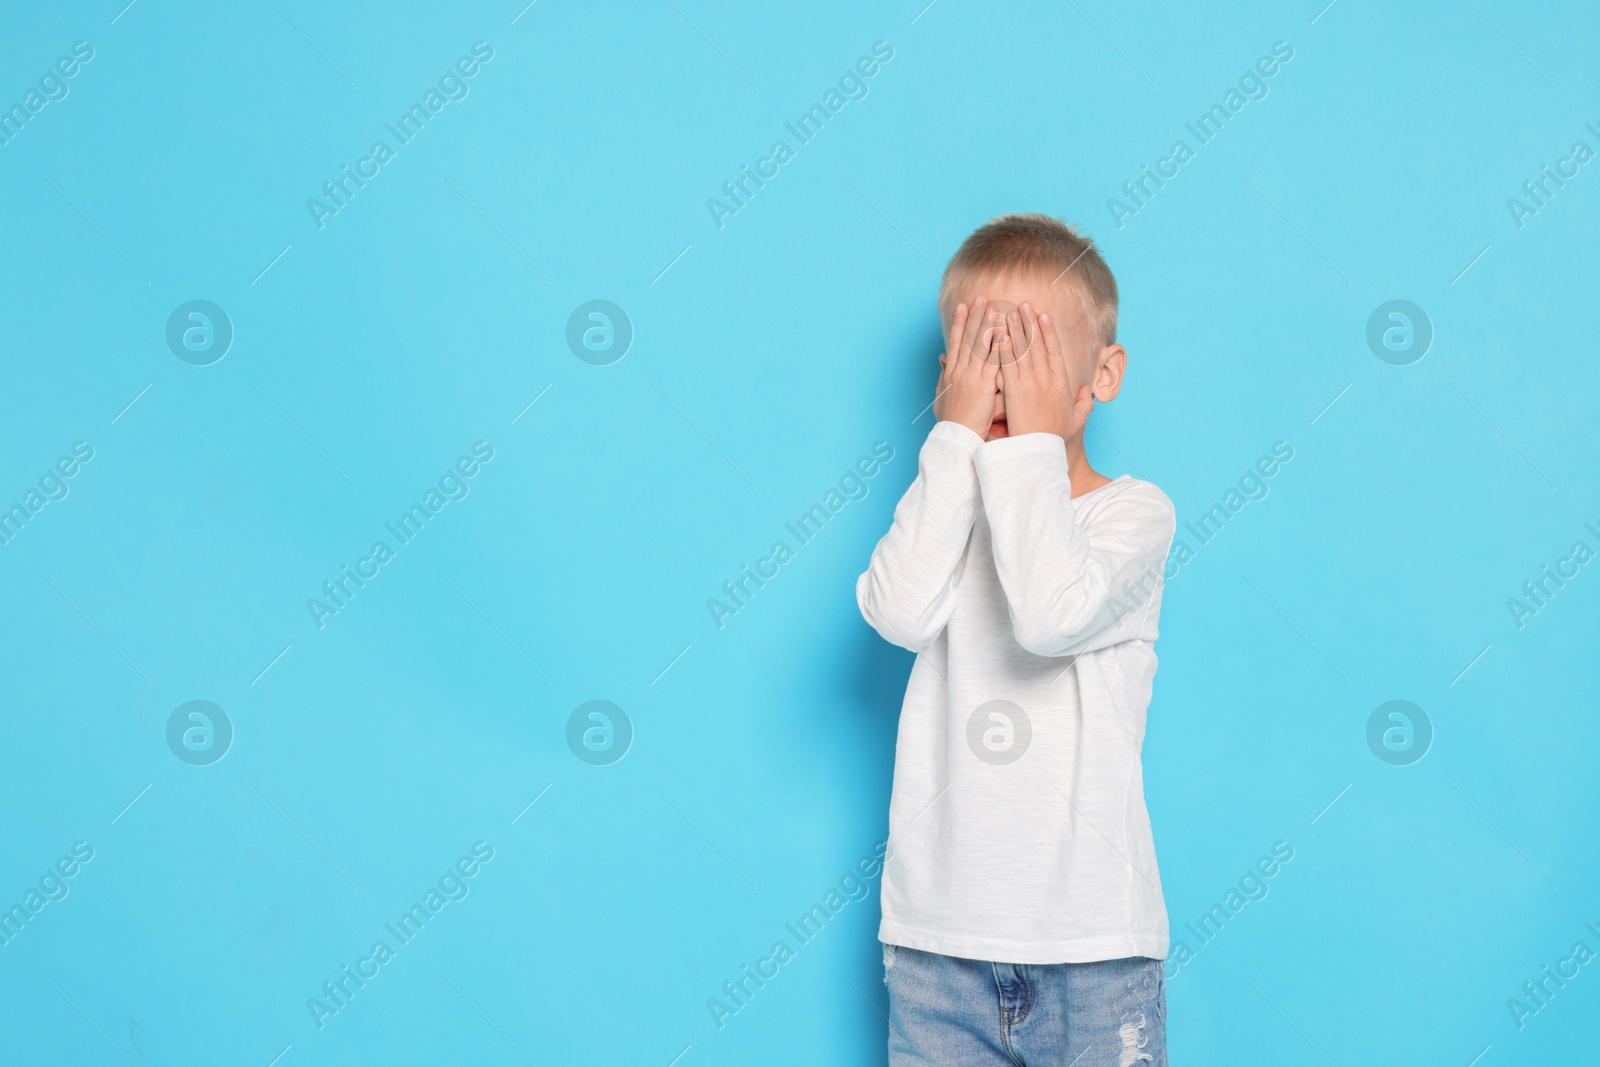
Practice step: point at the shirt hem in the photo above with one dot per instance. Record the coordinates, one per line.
(1000, 950)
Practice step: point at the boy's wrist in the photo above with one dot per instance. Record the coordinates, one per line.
(957, 433)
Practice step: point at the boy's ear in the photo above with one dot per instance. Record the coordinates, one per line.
(1110, 366)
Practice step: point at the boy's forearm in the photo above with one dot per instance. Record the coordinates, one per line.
(1068, 589)
(907, 591)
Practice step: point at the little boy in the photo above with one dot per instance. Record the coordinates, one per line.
(1023, 920)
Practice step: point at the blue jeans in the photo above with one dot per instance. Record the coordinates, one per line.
(968, 1013)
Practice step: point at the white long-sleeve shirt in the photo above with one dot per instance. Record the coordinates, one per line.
(1017, 822)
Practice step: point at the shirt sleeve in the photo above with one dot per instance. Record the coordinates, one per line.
(1072, 586)
(908, 591)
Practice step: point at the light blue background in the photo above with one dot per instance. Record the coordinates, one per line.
(770, 356)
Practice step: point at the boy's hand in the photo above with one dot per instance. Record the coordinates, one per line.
(968, 376)
(1034, 379)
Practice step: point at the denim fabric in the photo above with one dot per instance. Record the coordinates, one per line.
(974, 1013)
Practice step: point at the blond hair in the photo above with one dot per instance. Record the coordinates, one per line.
(1026, 241)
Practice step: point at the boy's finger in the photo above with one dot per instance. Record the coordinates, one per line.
(1001, 348)
(1025, 335)
(1018, 333)
(1052, 340)
(990, 372)
(975, 315)
(958, 324)
(994, 327)
(1013, 376)
(1026, 331)
(1056, 352)
(1084, 403)
(1040, 365)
